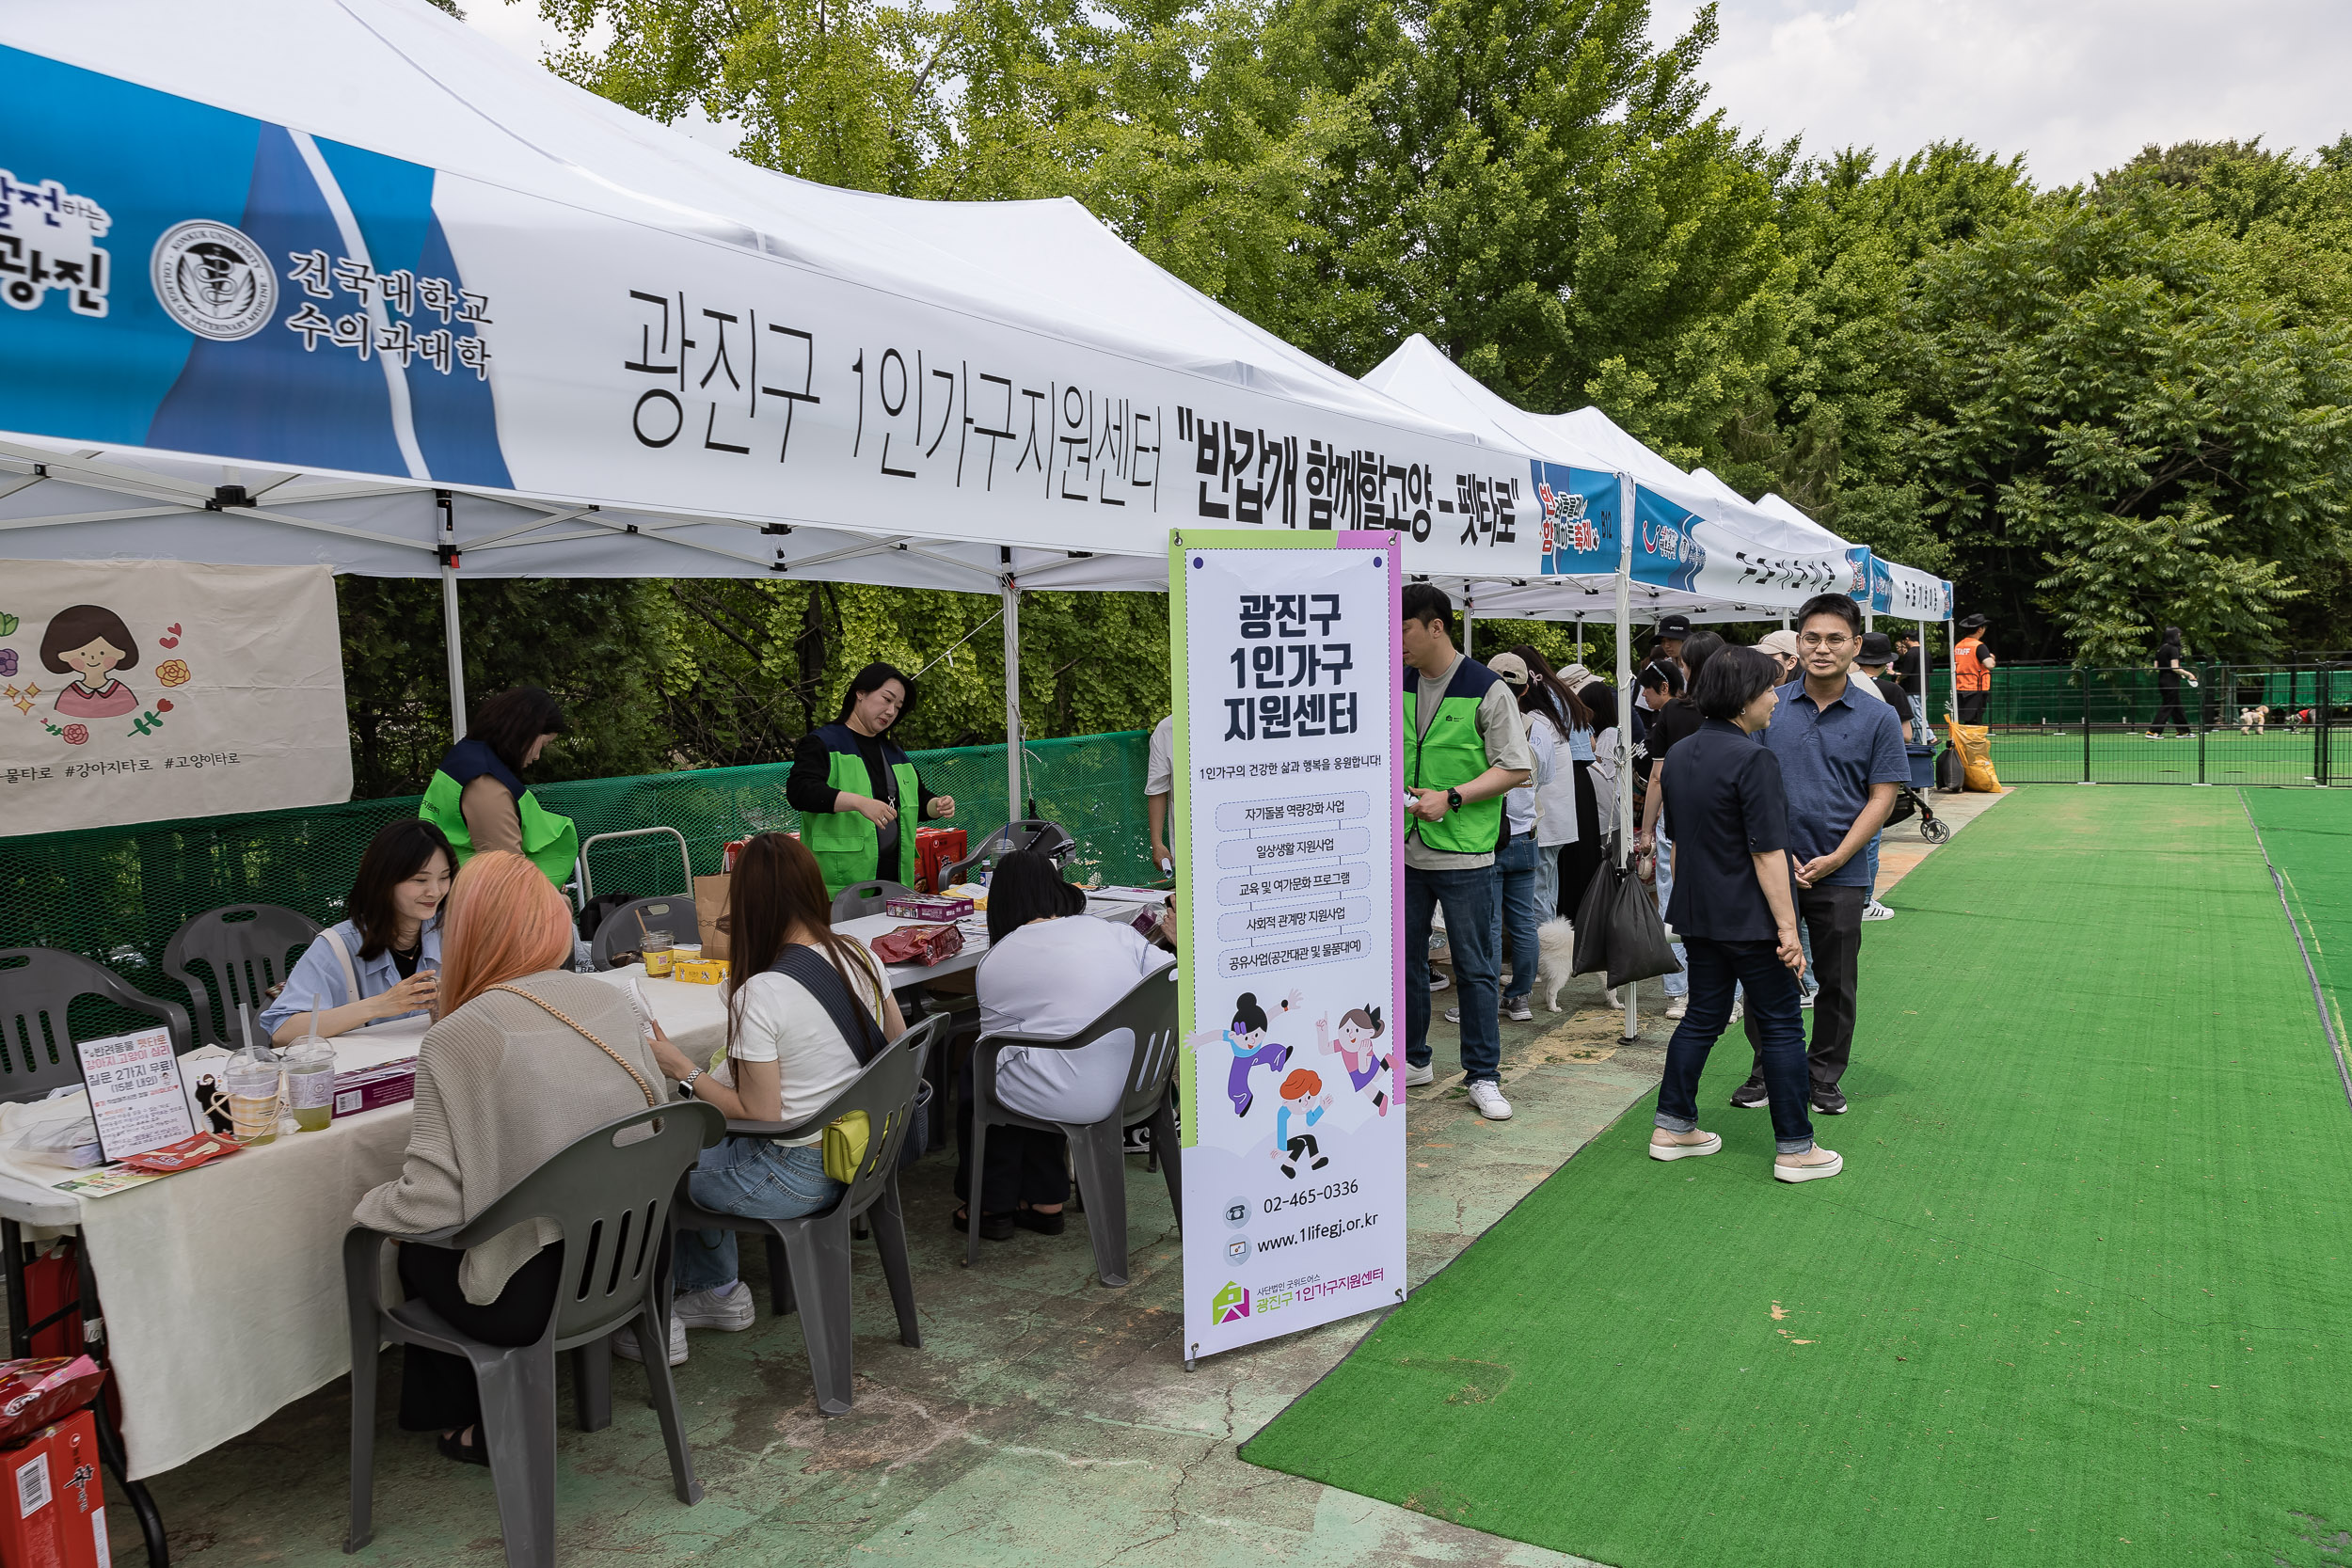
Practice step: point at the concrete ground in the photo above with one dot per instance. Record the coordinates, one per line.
(1045, 1419)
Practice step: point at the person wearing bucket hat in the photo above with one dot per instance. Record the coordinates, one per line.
(1972, 664)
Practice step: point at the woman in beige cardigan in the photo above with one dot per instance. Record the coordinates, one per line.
(503, 1084)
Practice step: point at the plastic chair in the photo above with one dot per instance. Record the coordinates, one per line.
(673, 912)
(1098, 1149)
(860, 900)
(610, 1201)
(808, 1259)
(37, 985)
(247, 948)
(1050, 839)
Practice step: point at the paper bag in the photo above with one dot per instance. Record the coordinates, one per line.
(710, 914)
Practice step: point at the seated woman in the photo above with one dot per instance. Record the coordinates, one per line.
(477, 796)
(1045, 974)
(380, 961)
(784, 1060)
(503, 1085)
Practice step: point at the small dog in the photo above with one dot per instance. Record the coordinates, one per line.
(1555, 948)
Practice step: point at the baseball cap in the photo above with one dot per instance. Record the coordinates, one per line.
(1783, 642)
(1674, 625)
(1510, 670)
(1876, 648)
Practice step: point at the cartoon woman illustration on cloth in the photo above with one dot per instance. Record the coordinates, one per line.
(1366, 1067)
(90, 642)
(1246, 1037)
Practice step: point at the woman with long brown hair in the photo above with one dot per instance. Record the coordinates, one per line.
(784, 1058)
(524, 1059)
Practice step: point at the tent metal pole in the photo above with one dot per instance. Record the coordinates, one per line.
(1927, 736)
(1013, 812)
(1625, 711)
(456, 654)
(1470, 611)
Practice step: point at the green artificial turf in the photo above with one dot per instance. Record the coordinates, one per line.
(2308, 833)
(2128, 756)
(2081, 1296)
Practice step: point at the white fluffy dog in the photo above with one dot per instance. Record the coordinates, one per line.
(1555, 946)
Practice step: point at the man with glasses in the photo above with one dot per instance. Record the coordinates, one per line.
(1841, 757)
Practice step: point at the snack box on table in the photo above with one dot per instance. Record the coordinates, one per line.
(58, 1517)
(370, 1089)
(934, 909)
(699, 972)
(935, 849)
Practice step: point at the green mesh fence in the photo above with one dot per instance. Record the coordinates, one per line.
(118, 893)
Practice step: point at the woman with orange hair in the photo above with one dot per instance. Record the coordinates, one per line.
(523, 1059)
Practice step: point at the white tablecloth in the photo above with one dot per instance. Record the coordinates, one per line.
(223, 1285)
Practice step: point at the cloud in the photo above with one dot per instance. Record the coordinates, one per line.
(2078, 85)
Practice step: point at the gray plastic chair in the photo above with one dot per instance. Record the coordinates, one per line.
(612, 1201)
(37, 985)
(673, 912)
(247, 949)
(1098, 1149)
(860, 900)
(1050, 839)
(808, 1259)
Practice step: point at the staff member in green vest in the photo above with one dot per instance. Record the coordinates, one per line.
(478, 799)
(849, 782)
(1464, 750)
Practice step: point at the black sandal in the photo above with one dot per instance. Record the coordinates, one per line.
(466, 1453)
(994, 1228)
(1044, 1224)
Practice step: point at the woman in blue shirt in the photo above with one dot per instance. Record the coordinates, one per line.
(383, 962)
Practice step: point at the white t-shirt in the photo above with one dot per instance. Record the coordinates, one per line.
(1054, 978)
(1159, 778)
(785, 1024)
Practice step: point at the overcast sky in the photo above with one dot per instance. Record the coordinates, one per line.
(2078, 85)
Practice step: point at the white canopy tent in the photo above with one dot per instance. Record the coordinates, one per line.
(405, 304)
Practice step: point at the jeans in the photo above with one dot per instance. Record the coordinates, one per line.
(1519, 866)
(1678, 983)
(1717, 968)
(1832, 918)
(757, 1177)
(1871, 859)
(1548, 880)
(1471, 910)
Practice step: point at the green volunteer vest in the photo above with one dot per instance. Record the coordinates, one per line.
(551, 842)
(847, 846)
(1451, 756)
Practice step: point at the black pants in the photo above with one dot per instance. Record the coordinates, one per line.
(1580, 860)
(1832, 918)
(1972, 706)
(1025, 1166)
(437, 1391)
(2168, 702)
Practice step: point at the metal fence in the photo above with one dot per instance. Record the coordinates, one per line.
(2236, 724)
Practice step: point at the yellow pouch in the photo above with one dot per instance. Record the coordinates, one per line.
(845, 1145)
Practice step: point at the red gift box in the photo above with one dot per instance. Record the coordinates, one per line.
(934, 849)
(54, 1515)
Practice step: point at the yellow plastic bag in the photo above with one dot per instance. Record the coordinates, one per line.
(845, 1145)
(1975, 745)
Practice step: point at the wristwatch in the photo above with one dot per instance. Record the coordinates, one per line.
(685, 1085)
(1453, 800)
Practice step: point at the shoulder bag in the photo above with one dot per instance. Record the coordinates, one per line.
(846, 1136)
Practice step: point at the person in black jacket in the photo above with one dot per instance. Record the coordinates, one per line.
(850, 781)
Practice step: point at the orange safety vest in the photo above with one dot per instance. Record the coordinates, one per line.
(1974, 676)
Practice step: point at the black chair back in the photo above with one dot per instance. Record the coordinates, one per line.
(673, 912)
(38, 987)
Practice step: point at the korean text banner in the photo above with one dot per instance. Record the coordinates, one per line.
(1675, 547)
(183, 278)
(1580, 509)
(143, 691)
(1289, 844)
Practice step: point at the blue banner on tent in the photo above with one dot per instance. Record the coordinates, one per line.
(1579, 506)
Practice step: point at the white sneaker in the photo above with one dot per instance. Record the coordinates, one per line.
(1739, 1008)
(729, 1309)
(1454, 1015)
(1487, 1096)
(1438, 981)
(1611, 996)
(1519, 1010)
(625, 1342)
(1416, 1076)
(1876, 910)
(1677, 1006)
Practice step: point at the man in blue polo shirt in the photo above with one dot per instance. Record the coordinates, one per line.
(1841, 757)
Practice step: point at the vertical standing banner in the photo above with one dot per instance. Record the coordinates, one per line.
(1289, 850)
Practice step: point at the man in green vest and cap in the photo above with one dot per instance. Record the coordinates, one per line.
(1464, 750)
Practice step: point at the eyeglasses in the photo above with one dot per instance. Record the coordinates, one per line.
(1824, 639)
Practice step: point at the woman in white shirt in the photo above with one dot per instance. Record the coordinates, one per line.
(784, 1060)
(1048, 972)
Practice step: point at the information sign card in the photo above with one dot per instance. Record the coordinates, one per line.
(134, 1092)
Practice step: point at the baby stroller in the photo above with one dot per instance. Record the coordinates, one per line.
(1909, 802)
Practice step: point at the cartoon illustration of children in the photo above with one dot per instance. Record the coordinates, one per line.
(1359, 1028)
(90, 642)
(1302, 1091)
(1246, 1037)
